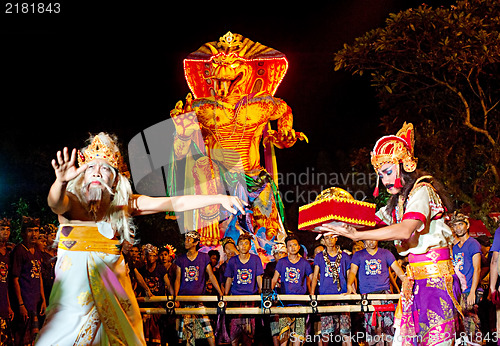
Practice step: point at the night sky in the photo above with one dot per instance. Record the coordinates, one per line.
(93, 68)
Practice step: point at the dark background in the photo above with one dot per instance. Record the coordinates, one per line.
(118, 68)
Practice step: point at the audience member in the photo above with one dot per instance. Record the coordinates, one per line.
(27, 280)
(6, 312)
(244, 277)
(190, 281)
(331, 268)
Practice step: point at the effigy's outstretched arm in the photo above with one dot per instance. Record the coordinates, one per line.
(186, 126)
(285, 136)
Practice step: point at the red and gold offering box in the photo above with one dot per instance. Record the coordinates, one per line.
(336, 204)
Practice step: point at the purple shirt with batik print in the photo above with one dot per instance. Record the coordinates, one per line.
(373, 270)
(244, 274)
(327, 286)
(293, 275)
(192, 274)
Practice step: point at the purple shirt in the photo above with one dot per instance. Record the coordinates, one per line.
(373, 271)
(155, 279)
(462, 256)
(496, 241)
(27, 267)
(192, 274)
(293, 275)
(244, 274)
(4, 284)
(327, 286)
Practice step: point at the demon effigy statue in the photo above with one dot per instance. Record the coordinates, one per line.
(233, 81)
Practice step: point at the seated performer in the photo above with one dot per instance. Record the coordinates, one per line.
(428, 312)
(92, 302)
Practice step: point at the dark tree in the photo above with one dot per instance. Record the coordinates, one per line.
(440, 69)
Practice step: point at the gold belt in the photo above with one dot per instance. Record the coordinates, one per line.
(86, 238)
(424, 270)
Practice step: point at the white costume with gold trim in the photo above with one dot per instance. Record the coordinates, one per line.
(92, 301)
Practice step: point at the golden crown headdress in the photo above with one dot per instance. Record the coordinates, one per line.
(99, 150)
(396, 149)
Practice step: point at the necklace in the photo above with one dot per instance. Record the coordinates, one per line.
(217, 134)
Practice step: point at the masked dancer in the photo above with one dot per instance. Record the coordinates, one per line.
(92, 302)
(428, 312)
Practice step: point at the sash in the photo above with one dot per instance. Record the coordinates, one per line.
(74, 237)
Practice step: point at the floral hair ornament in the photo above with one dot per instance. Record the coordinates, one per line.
(108, 152)
(395, 149)
(170, 250)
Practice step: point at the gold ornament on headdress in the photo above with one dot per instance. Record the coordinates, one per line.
(98, 150)
(229, 41)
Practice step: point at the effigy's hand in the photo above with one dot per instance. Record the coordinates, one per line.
(186, 124)
(302, 137)
(179, 109)
(291, 136)
(232, 204)
(64, 166)
(270, 138)
(284, 137)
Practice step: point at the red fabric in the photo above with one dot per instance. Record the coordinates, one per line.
(385, 307)
(414, 216)
(336, 209)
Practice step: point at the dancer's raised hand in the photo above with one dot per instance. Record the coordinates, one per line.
(64, 166)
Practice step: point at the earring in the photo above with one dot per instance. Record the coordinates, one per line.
(397, 183)
(376, 191)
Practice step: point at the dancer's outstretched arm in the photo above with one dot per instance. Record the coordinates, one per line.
(143, 205)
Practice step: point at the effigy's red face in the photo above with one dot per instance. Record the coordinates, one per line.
(229, 72)
(388, 174)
